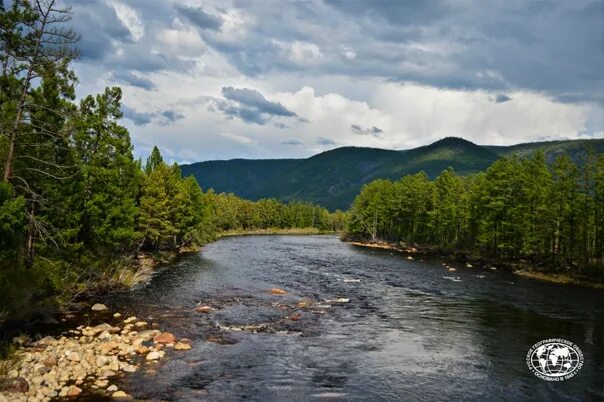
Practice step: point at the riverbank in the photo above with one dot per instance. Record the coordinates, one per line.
(521, 268)
(276, 231)
(87, 361)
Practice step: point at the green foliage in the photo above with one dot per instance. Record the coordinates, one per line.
(518, 208)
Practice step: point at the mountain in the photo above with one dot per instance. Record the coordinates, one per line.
(333, 178)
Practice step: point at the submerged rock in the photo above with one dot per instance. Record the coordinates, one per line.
(277, 291)
(120, 395)
(204, 309)
(182, 346)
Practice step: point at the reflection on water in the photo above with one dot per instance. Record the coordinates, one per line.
(406, 333)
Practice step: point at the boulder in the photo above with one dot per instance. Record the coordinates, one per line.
(165, 337)
(99, 307)
(112, 388)
(277, 291)
(204, 309)
(73, 357)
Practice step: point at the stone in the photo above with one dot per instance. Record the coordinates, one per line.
(99, 307)
(18, 384)
(277, 291)
(104, 336)
(182, 346)
(140, 324)
(50, 361)
(295, 317)
(153, 356)
(73, 357)
(101, 383)
(204, 309)
(142, 350)
(303, 304)
(73, 391)
(129, 368)
(452, 269)
(165, 337)
(130, 320)
(112, 388)
(120, 395)
(47, 340)
(117, 315)
(107, 347)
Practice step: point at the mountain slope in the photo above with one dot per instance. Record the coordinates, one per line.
(333, 178)
(240, 176)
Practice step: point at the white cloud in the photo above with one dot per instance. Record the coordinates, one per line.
(129, 17)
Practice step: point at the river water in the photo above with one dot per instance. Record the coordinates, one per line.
(406, 333)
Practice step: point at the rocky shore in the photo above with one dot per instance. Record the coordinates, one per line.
(521, 268)
(88, 359)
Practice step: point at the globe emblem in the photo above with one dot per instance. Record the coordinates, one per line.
(554, 359)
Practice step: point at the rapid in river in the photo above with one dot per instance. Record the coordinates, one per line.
(356, 324)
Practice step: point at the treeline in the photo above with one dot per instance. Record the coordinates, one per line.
(75, 205)
(519, 208)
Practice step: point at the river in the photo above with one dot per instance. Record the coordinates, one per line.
(406, 333)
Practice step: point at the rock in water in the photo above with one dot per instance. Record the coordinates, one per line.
(182, 346)
(204, 309)
(120, 395)
(153, 356)
(277, 291)
(99, 307)
(165, 337)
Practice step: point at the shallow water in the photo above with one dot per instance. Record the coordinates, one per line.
(407, 333)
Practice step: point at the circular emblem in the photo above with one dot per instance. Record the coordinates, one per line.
(554, 359)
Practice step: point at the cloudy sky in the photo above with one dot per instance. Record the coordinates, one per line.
(222, 79)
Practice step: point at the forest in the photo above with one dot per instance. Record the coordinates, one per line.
(76, 207)
(519, 208)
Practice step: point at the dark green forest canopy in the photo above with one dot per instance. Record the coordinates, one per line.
(519, 207)
(333, 178)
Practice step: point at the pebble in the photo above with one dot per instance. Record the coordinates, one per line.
(86, 357)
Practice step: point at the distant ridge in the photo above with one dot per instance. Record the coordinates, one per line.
(333, 178)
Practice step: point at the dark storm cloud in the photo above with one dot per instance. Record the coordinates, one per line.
(325, 141)
(292, 141)
(554, 47)
(255, 100)
(138, 118)
(375, 131)
(501, 98)
(250, 106)
(164, 117)
(199, 17)
(127, 77)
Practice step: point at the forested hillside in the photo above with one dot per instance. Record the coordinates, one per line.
(519, 208)
(77, 211)
(334, 177)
